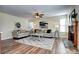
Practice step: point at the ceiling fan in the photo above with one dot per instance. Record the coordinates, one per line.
(38, 15)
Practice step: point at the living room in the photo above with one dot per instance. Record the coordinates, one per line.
(37, 22)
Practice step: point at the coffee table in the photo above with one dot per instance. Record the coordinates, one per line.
(34, 35)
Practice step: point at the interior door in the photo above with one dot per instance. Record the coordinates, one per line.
(75, 33)
(78, 36)
(0, 43)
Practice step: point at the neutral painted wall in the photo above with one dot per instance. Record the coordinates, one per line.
(52, 21)
(7, 24)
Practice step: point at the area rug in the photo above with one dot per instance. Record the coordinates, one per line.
(68, 43)
(46, 43)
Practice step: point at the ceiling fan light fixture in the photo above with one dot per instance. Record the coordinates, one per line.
(38, 15)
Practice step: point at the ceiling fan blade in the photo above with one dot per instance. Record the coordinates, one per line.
(38, 15)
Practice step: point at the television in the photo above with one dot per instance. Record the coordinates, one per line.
(43, 24)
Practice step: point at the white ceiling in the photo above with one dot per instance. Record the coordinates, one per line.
(28, 10)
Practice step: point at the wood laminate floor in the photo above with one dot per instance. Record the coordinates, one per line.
(11, 47)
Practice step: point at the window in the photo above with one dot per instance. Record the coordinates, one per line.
(62, 25)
